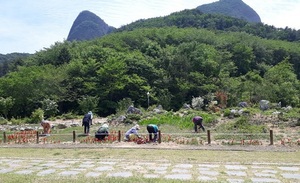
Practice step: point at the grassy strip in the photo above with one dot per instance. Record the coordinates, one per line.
(13, 178)
(195, 156)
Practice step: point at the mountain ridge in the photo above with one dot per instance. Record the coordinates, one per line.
(88, 26)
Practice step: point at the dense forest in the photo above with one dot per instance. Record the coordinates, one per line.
(175, 59)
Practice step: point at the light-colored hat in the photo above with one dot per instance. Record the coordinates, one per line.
(137, 127)
(105, 125)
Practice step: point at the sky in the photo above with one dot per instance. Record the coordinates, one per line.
(28, 26)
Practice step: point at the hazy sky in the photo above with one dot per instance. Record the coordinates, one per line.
(31, 25)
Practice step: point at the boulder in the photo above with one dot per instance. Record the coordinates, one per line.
(243, 104)
(264, 105)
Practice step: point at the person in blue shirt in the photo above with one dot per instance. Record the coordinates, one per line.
(132, 132)
(152, 129)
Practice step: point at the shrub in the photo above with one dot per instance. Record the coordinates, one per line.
(3, 121)
(37, 116)
(123, 105)
(226, 113)
(68, 116)
(49, 107)
(18, 121)
(131, 118)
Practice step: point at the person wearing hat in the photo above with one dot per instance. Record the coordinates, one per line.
(132, 132)
(102, 132)
(197, 120)
(152, 129)
(87, 122)
(46, 127)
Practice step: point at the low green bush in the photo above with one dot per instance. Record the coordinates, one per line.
(36, 116)
(68, 116)
(19, 121)
(3, 121)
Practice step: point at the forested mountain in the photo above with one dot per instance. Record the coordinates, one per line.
(195, 18)
(174, 58)
(9, 62)
(233, 8)
(88, 26)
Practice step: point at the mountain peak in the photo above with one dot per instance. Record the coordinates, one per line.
(232, 8)
(88, 26)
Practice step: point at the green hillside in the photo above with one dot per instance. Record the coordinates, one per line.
(174, 62)
(197, 19)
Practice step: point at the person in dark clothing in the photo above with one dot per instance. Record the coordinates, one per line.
(152, 129)
(198, 122)
(102, 132)
(87, 122)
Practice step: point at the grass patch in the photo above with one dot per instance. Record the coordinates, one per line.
(196, 156)
(13, 178)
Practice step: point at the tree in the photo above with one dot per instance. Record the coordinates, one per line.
(49, 107)
(242, 57)
(281, 84)
(88, 103)
(6, 105)
(30, 85)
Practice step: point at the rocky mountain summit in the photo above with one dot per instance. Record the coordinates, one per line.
(88, 26)
(232, 8)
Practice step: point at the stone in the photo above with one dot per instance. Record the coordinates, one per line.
(289, 168)
(6, 170)
(264, 175)
(120, 174)
(151, 176)
(291, 176)
(104, 168)
(264, 105)
(179, 176)
(93, 174)
(26, 172)
(235, 167)
(46, 172)
(61, 166)
(177, 170)
(206, 178)
(235, 180)
(236, 173)
(183, 166)
(264, 180)
(212, 173)
(68, 173)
